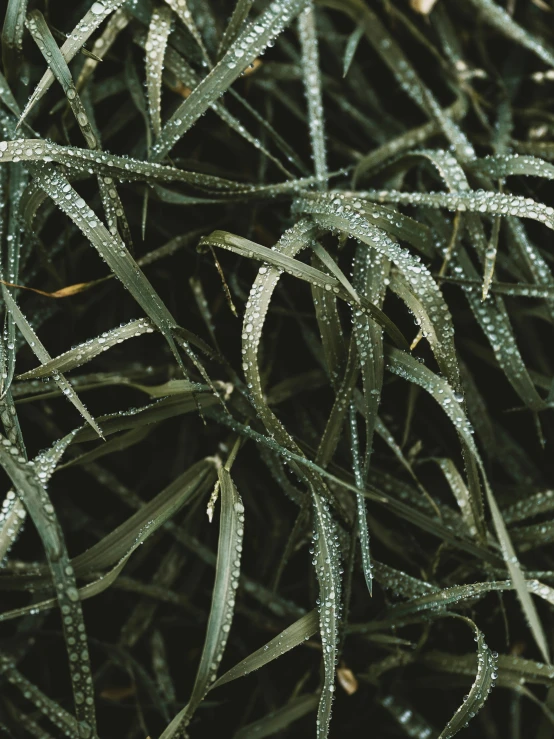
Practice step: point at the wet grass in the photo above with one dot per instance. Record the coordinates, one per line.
(289, 263)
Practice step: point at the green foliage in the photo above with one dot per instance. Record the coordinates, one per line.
(373, 447)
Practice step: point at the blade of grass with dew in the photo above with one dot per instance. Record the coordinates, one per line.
(459, 490)
(528, 507)
(98, 12)
(90, 349)
(117, 22)
(12, 36)
(484, 681)
(249, 44)
(490, 258)
(56, 714)
(312, 89)
(57, 64)
(323, 212)
(330, 328)
(17, 182)
(474, 201)
(370, 278)
(27, 481)
(182, 11)
(351, 48)
(231, 533)
(236, 22)
(494, 321)
(327, 563)
(156, 43)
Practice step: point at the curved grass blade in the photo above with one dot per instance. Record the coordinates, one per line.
(300, 270)
(484, 681)
(27, 482)
(12, 35)
(328, 212)
(231, 531)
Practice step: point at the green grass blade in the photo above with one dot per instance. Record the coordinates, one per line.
(288, 639)
(156, 43)
(231, 532)
(484, 680)
(97, 13)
